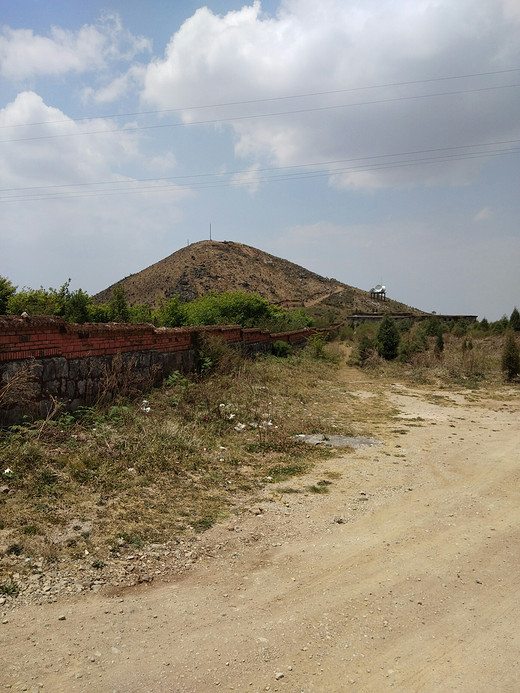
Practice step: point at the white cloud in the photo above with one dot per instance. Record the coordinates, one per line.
(247, 179)
(59, 152)
(117, 88)
(67, 202)
(24, 54)
(311, 47)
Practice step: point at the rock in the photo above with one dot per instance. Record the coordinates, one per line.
(279, 676)
(62, 618)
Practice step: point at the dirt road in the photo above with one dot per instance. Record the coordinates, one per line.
(404, 576)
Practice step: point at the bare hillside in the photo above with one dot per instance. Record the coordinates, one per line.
(228, 266)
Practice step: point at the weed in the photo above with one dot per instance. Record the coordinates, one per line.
(14, 550)
(281, 473)
(9, 588)
(30, 530)
(203, 523)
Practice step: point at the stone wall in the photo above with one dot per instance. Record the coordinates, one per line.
(45, 361)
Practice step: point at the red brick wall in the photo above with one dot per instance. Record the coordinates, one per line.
(40, 337)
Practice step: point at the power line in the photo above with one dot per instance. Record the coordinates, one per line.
(261, 115)
(265, 100)
(332, 162)
(282, 177)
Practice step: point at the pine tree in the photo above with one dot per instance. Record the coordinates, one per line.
(439, 344)
(387, 339)
(510, 356)
(514, 320)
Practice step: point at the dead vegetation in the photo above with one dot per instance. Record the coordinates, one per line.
(133, 472)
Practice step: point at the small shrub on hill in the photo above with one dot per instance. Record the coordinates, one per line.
(510, 357)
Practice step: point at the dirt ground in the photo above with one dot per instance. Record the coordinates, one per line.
(404, 575)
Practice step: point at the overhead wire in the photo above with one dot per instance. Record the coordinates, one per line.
(270, 174)
(228, 119)
(264, 100)
(226, 179)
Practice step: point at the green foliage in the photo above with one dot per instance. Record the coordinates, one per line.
(169, 313)
(510, 357)
(458, 330)
(414, 343)
(500, 326)
(282, 320)
(228, 308)
(98, 313)
(514, 320)
(317, 344)
(432, 326)
(484, 325)
(72, 306)
(7, 289)
(439, 345)
(140, 313)
(387, 339)
(9, 588)
(365, 347)
(34, 302)
(117, 306)
(282, 349)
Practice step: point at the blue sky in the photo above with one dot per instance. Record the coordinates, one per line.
(373, 141)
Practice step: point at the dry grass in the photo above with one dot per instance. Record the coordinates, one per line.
(150, 471)
(466, 361)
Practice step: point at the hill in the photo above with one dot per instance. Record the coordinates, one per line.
(217, 266)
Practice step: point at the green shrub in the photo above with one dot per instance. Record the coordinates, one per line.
(7, 289)
(514, 320)
(387, 339)
(282, 349)
(510, 357)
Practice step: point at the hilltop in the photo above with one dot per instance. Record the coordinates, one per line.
(216, 266)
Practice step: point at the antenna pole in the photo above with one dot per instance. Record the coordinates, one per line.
(210, 232)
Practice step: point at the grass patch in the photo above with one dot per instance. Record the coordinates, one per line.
(157, 473)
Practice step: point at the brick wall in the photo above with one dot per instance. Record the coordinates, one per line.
(69, 363)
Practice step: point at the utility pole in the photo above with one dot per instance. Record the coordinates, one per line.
(210, 232)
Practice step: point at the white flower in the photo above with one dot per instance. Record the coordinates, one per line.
(8, 471)
(240, 427)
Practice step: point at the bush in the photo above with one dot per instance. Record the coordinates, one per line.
(117, 306)
(6, 291)
(228, 308)
(510, 357)
(282, 349)
(387, 339)
(169, 313)
(514, 320)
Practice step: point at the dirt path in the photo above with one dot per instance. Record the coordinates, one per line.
(403, 576)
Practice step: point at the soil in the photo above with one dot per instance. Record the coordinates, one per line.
(403, 575)
(208, 266)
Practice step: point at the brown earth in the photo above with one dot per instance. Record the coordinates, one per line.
(208, 266)
(403, 576)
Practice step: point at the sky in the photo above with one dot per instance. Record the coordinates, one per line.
(373, 141)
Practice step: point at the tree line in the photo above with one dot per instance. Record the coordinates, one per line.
(237, 308)
(400, 341)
